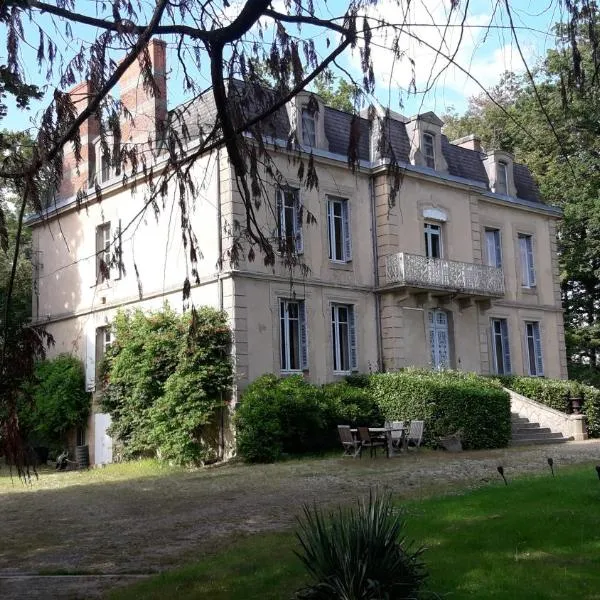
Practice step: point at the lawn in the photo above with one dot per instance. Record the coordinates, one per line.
(537, 538)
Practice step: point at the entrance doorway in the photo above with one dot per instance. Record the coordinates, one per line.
(438, 339)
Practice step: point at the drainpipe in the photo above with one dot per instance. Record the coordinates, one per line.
(220, 288)
(376, 259)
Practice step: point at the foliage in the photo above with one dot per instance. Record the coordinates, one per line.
(556, 394)
(60, 401)
(164, 377)
(448, 402)
(359, 553)
(349, 404)
(345, 96)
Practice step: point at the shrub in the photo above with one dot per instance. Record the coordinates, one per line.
(448, 402)
(556, 393)
(59, 400)
(359, 553)
(164, 377)
(348, 404)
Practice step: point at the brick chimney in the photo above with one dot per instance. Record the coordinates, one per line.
(471, 142)
(75, 177)
(148, 111)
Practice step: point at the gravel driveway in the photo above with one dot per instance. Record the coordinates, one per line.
(80, 540)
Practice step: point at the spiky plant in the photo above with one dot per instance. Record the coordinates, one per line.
(359, 553)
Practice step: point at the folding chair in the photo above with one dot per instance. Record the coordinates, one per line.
(351, 446)
(368, 442)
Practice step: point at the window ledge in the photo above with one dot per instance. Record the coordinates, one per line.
(531, 291)
(341, 266)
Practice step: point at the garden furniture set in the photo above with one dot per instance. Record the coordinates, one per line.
(393, 437)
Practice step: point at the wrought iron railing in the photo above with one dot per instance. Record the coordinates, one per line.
(423, 272)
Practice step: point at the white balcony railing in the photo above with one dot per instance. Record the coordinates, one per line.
(438, 273)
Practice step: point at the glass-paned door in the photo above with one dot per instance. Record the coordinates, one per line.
(439, 344)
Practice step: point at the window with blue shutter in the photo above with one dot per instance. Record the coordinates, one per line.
(339, 229)
(352, 326)
(533, 340)
(527, 262)
(493, 247)
(343, 334)
(289, 221)
(293, 338)
(500, 347)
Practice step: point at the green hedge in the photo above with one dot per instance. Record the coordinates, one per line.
(287, 415)
(556, 393)
(448, 402)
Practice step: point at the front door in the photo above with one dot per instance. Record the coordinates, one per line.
(438, 339)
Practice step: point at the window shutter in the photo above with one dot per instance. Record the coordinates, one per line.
(99, 253)
(299, 234)
(524, 267)
(119, 251)
(280, 216)
(490, 247)
(90, 359)
(537, 341)
(505, 347)
(352, 335)
(498, 248)
(303, 336)
(347, 230)
(530, 264)
(330, 232)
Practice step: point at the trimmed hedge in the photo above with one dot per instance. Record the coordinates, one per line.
(556, 393)
(448, 402)
(287, 415)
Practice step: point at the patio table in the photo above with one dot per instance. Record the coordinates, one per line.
(392, 451)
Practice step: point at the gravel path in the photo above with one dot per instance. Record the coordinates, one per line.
(111, 533)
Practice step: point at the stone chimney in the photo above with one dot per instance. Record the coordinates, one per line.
(76, 177)
(471, 142)
(148, 110)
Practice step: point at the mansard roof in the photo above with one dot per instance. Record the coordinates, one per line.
(197, 117)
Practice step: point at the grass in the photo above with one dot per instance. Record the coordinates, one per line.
(536, 538)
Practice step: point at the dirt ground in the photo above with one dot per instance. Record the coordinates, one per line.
(82, 538)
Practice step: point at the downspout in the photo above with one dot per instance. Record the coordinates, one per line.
(220, 288)
(376, 260)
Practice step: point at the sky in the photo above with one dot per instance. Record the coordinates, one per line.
(484, 47)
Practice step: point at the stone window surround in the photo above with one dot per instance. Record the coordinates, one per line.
(294, 109)
(491, 162)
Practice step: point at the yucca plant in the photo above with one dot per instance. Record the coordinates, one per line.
(359, 553)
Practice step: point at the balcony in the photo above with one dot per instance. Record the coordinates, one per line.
(422, 273)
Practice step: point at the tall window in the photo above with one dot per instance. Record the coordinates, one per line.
(103, 341)
(533, 341)
(293, 336)
(343, 330)
(500, 347)
(103, 252)
(429, 149)
(501, 178)
(309, 136)
(289, 221)
(493, 248)
(433, 240)
(527, 264)
(338, 228)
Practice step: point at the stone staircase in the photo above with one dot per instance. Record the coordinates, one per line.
(525, 433)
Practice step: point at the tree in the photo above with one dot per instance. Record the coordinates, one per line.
(346, 96)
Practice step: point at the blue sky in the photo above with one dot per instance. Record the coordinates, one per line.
(485, 53)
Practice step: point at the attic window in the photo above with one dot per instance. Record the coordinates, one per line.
(429, 150)
(309, 135)
(502, 178)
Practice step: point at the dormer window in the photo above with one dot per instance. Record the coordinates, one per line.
(429, 150)
(309, 130)
(105, 169)
(502, 178)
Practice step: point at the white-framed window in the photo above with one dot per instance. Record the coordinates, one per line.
(433, 240)
(103, 341)
(501, 178)
(289, 226)
(533, 342)
(103, 252)
(338, 229)
(500, 347)
(527, 262)
(293, 338)
(429, 149)
(343, 331)
(493, 247)
(309, 128)
(105, 167)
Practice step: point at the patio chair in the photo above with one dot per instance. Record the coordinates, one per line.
(397, 433)
(351, 446)
(415, 434)
(369, 442)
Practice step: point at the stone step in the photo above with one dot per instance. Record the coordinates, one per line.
(519, 420)
(525, 425)
(537, 435)
(530, 430)
(536, 441)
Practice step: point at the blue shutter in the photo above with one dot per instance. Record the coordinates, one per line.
(352, 336)
(498, 248)
(298, 210)
(505, 346)
(303, 336)
(330, 227)
(347, 226)
(524, 266)
(530, 263)
(537, 342)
